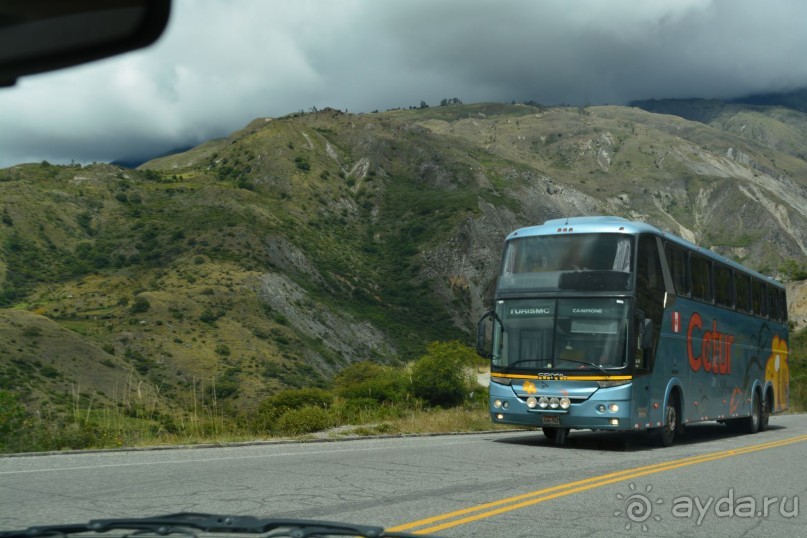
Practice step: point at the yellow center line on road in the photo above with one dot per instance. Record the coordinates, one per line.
(486, 510)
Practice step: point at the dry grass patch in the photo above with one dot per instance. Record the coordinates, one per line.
(446, 421)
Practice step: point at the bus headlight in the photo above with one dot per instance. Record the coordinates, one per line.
(554, 403)
(497, 404)
(613, 407)
(543, 402)
(565, 403)
(532, 402)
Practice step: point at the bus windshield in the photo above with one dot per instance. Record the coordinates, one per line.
(569, 262)
(560, 334)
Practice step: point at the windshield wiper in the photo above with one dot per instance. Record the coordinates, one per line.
(512, 365)
(186, 523)
(593, 365)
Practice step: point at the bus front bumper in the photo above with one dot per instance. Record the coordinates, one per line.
(606, 409)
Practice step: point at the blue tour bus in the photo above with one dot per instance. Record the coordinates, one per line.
(607, 324)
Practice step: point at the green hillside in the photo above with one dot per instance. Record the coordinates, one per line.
(299, 245)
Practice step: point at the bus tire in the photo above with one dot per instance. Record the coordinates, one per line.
(560, 436)
(665, 435)
(752, 423)
(550, 432)
(765, 415)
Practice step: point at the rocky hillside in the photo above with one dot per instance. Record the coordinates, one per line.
(277, 256)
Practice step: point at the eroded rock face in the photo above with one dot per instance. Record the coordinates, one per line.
(797, 304)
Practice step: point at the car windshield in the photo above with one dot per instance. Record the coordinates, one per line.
(246, 245)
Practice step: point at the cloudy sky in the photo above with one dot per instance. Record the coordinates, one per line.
(222, 63)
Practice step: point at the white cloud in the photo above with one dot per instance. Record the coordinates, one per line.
(223, 63)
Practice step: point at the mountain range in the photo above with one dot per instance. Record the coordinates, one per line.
(298, 245)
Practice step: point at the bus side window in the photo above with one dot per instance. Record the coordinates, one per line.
(724, 295)
(701, 271)
(773, 304)
(649, 299)
(759, 298)
(677, 262)
(742, 288)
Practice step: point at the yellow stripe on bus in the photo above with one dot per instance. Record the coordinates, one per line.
(565, 377)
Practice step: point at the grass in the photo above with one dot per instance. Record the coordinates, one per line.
(371, 399)
(139, 427)
(458, 419)
(424, 421)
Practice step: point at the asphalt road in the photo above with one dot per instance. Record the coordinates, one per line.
(711, 483)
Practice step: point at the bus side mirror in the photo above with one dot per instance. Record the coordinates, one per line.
(484, 335)
(644, 330)
(646, 340)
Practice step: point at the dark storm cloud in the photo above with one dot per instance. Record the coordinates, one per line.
(608, 51)
(222, 64)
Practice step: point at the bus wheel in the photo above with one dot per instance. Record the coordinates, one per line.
(558, 435)
(665, 435)
(765, 415)
(752, 423)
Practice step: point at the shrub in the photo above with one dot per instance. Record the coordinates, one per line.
(272, 408)
(440, 377)
(364, 410)
(792, 271)
(140, 305)
(798, 370)
(368, 380)
(304, 420)
(13, 419)
(32, 332)
(20, 431)
(209, 317)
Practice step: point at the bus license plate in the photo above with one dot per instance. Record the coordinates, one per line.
(551, 420)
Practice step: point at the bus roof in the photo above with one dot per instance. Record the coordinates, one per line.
(610, 224)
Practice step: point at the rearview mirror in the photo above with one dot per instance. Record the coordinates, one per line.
(647, 334)
(43, 35)
(484, 332)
